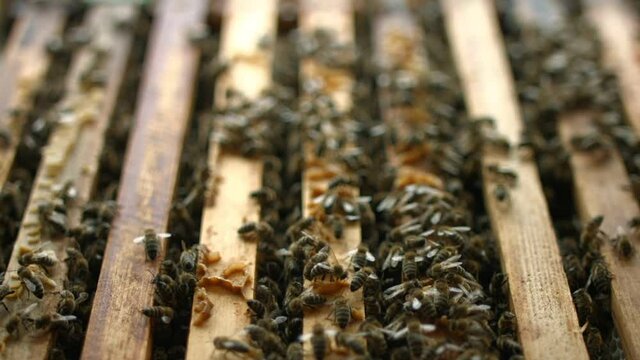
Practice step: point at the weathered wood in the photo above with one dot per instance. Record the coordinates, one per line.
(117, 329)
(23, 67)
(602, 188)
(336, 16)
(617, 25)
(547, 321)
(73, 154)
(244, 24)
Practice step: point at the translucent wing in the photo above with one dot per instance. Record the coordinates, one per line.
(163, 235)
(139, 239)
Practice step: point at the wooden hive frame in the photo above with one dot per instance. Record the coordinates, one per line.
(540, 295)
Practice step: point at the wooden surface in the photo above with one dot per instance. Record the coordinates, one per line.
(601, 188)
(23, 67)
(547, 322)
(117, 329)
(338, 17)
(244, 24)
(76, 147)
(617, 26)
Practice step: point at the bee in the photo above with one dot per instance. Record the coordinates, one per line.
(163, 313)
(77, 264)
(257, 307)
(622, 244)
(51, 321)
(324, 269)
(256, 231)
(507, 344)
(170, 268)
(574, 270)
(409, 266)
(360, 277)
(501, 193)
(360, 257)
(151, 242)
(46, 258)
(268, 341)
(372, 306)
(439, 269)
(455, 234)
(501, 173)
(295, 351)
(320, 340)
(507, 323)
(5, 291)
(31, 281)
(599, 277)
(237, 347)
(17, 319)
(583, 303)
(341, 312)
(593, 339)
(189, 259)
(399, 290)
(53, 218)
(593, 143)
(264, 196)
(311, 299)
(354, 343)
(591, 236)
(68, 302)
(417, 342)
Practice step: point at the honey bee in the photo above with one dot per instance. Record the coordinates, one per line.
(257, 307)
(311, 299)
(574, 270)
(151, 242)
(501, 193)
(507, 323)
(583, 303)
(163, 313)
(622, 244)
(360, 277)
(17, 319)
(268, 341)
(295, 351)
(599, 277)
(44, 258)
(593, 339)
(591, 236)
(51, 321)
(502, 174)
(31, 281)
(68, 302)
(360, 257)
(341, 312)
(189, 259)
(417, 342)
(356, 344)
(256, 231)
(507, 344)
(237, 347)
(320, 340)
(324, 269)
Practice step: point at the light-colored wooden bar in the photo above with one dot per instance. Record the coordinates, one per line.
(117, 329)
(601, 188)
(617, 25)
(338, 17)
(244, 24)
(73, 154)
(23, 67)
(539, 293)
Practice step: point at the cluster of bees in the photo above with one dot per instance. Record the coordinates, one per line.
(558, 72)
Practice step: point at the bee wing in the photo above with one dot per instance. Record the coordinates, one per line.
(432, 252)
(47, 253)
(166, 319)
(280, 319)
(283, 252)
(416, 304)
(139, 239)
(452, 259)
(428, 232)
(419, 258)
(395, 334)
(461, 228)
(30, 285)
(163, 235)
(305, 337)
(451, 265)
(65, 317)
(29, 309)
(427, 327)
(370, 257)
(351, 253)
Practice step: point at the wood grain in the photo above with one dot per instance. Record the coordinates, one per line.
(617, 25)
(244, 24)
(602, 188)
(547, 322)
(117, 329)
(73, 154)
(23, 67)
(336, 16)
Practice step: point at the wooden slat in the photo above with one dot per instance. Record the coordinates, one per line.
(617, 25)
(73, 154)
(244, 23)
(24, 64)
(547, 322)
(601, 188)
(336, 16)
(117, 329)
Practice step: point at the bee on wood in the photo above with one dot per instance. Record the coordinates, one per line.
(622, 244)
(53, 218)
(237, 347)
(593, 340)
(360, 257)
(51, 321)
(591, 236)
(600, 277)
(320, 340)
(311, 299)
(31, 281)
(341, 312)
(169, 268)
(189, 259)
(354, 343)
(507, 323)
(68, 302)
(151, 242)
(593, 143)
(575, 270)
(163, 313)
(264, 196)
(43, 258)
(501, 193)
(268, 341)
(252, 231)
(165, 288)
(257, 307)
(360, 277)
(77, 264)
(583, 303)
(324, 269)
(16, 320)
(502, 173)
